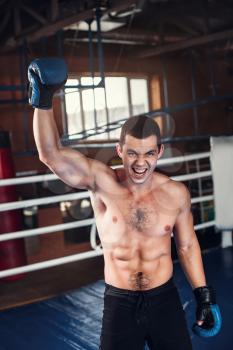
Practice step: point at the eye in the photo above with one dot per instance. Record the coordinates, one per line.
(131, 154)
(151, 154)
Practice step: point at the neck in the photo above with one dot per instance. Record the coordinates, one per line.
(140, 189)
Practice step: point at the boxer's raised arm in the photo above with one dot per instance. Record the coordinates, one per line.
(45, 77)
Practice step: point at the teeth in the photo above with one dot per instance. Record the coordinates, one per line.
(140, 171)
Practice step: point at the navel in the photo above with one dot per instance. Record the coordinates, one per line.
(139, 281)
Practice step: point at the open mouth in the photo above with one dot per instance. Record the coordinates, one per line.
(139, 172)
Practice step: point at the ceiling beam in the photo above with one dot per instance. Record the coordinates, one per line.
(182, 24)
(52, 27)
(137, 37)
(34, 14)
(185, 44)
(147, 37)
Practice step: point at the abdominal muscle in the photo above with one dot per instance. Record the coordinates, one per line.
(131, 269)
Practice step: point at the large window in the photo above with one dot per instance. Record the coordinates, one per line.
(139, 96)
(90, 108)
(73, 108)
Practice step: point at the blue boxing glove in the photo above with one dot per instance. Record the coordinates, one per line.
(208, 312)
(46, 76)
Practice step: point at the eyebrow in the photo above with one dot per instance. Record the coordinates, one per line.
(151, 150)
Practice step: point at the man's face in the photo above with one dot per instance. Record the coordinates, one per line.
(139, 157)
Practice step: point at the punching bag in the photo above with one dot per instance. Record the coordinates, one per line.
(12, 253)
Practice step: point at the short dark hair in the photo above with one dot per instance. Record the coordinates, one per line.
(140, 127)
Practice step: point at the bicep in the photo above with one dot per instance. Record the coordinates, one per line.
(73, 168)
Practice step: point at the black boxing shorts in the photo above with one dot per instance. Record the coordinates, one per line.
(133, 318)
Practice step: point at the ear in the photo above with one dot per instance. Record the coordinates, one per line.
(161, 151)
(119, 150)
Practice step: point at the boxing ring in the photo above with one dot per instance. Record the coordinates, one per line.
(73, 320)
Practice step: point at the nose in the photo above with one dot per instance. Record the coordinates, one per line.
(140, 161)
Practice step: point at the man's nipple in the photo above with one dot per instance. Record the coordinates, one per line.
(167, 228)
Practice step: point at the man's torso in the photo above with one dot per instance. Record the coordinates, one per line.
(135, 231)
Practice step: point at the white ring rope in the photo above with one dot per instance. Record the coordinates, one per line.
(204, 225)
(202, 199)
(192, 176)
(41, 201)
(70, 225)
(51, 263)
(50, 177)
(182, 159)
(46, 229)
(93, 235)
(28, 179)
(64, 260)
(80, 195)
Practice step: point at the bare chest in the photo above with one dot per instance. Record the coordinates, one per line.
(147, 215)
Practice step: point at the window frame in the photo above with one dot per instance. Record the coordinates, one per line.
(128, 77)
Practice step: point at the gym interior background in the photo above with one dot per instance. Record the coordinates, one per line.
(169, 59)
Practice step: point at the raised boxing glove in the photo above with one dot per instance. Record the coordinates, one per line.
(46, 76)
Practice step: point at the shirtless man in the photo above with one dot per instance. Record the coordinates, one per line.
(136, 209)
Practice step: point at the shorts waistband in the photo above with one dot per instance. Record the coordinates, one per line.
(150, 292)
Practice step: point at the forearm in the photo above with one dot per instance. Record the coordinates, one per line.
(191, 262)
(45, 133)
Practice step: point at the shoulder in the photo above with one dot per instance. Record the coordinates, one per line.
(176, 191)
(177, 188)
(107, 180)
(182, 194)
